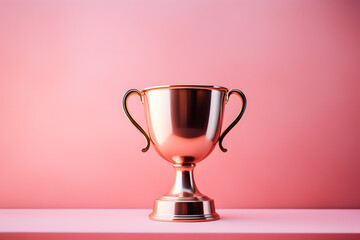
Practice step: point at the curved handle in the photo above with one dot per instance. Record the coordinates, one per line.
(137, 125)
(237, 119)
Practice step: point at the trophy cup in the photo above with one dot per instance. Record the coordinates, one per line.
(184, 125)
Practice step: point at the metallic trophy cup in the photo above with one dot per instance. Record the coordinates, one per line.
(184, 125)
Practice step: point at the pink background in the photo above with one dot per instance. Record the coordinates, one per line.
(65, 65)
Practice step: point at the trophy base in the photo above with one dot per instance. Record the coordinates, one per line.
(184, 209)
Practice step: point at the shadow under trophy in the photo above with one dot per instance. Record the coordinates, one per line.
(184, 125)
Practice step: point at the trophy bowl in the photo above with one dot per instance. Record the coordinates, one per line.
(184, 125)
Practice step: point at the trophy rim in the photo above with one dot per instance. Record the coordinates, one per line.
(186, 86)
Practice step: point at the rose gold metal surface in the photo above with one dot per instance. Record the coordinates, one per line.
(184, 125)
(184, 202)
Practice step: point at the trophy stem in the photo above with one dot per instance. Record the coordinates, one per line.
(184, 203)
(184, 185)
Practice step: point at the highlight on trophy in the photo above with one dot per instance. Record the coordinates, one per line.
(184, 125)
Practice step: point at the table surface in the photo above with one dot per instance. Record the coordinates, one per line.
(238, 221)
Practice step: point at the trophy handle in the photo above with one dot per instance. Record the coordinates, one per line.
(137, 125)
(242, 96)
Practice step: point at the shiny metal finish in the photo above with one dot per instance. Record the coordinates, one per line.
(237, 119)
(184, 202)
(137, 125)
(184, 211)
(184, 125)
(186, 86)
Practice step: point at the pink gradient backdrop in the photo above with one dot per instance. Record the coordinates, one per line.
(65, 65)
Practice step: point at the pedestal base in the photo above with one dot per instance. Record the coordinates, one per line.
(184, 209)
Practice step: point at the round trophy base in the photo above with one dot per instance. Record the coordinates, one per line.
(184, 209)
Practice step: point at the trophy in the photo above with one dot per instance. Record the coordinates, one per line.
(184, 125)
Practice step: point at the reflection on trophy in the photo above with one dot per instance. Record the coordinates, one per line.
(184, 125)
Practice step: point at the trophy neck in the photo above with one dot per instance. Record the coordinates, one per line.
(184, 185)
